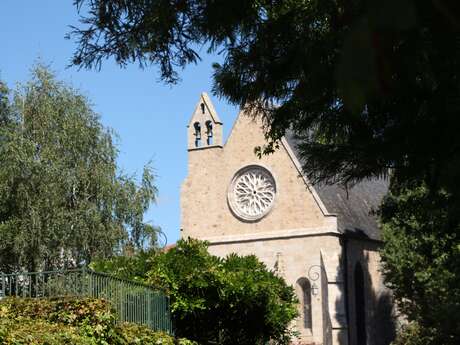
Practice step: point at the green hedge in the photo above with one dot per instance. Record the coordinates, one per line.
(76, 321)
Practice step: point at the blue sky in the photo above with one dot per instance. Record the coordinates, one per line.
(149, 116)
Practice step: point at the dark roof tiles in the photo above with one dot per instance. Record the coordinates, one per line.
(355, 207)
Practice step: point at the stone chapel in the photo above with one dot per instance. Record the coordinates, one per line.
(323, 240)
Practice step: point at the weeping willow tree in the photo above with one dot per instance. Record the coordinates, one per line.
(63, 201)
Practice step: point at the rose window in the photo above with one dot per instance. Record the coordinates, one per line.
(252, 192)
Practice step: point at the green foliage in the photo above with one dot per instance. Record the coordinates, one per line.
(79, 321)
(35, 332)
(367, 85)
(135, 334)
(413, 334)
(62, 201)
(235, 300)
(131, 267)
(4, 104)
(72, 321)
(421, 260)
(68, 310)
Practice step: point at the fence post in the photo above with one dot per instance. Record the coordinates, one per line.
(149, 309)
(84, 282)
(2, 290)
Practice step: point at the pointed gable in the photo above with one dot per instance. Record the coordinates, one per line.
(209, 210)
(204, 128)
(206, 101)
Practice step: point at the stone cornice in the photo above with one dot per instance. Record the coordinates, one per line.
(273, 235)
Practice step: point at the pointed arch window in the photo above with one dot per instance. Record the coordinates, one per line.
(304, 294)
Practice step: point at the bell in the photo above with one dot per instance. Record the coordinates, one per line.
(209, 128)
(197, 127)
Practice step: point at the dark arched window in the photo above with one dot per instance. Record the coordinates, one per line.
(304, 295)
(209, 132)
(360, 306)
(197, 128)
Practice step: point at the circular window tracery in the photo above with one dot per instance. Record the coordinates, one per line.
(252, 192)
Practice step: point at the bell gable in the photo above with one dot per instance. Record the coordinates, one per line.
(231, 194)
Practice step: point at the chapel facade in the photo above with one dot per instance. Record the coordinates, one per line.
(323, 240)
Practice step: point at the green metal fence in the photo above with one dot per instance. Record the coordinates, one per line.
(132, 301)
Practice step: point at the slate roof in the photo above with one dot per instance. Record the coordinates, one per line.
(354, 207)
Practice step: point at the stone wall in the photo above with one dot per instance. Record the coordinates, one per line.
(379, 312)
(300, 257)
(205, 212)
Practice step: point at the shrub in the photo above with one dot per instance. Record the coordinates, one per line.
(413, 334)
(421, 259)
(65, 310)
(235, 300)
(76, 321)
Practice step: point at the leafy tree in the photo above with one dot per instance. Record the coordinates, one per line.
(421, 261)
(129, 265)
(133, 262)
(235, 300)
(62, 201)
(367, 85)
(3, 103)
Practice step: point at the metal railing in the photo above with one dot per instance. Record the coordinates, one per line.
(132, 301)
